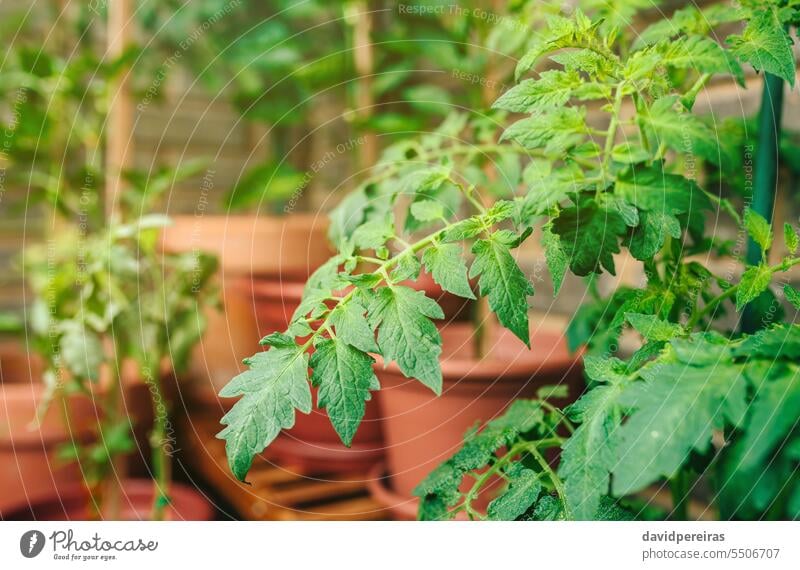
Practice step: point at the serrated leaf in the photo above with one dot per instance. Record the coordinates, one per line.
(587, 457)
(652, 189)
(758, 228)
(773, 414)
(554, 130)
(543, 195)
(681, 131)
(652, 328)
(648, 238)
(675, 411)
(277, 340)
(373, 234)
(81, 350)
(556, 257)
(523, 490)
(275, 384)
(792, 295)
(790, 238)
(553, 88)
(406, 333)
(352, 327)
(766, 45)
(427, 210)
(778, 341)
(344, 376)
(445, 263)
(755, 281)
(590, 237)
(407, 267)
(507, 287)
(700, 53)
(442, 484)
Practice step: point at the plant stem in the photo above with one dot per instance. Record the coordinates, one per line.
(730, 291)
(112, 498)
(162, 465)
(679, 488)
(558, 485)
(611, 134)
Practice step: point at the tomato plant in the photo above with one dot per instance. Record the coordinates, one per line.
(694, 399)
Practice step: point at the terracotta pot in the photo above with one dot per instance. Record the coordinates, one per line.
(287, 245)
(422, 430)
(72, 504)
(402, 508)
(28, 466)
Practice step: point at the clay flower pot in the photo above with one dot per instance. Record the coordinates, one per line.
(28, 466)
(250, 249)
(422, 430)
(72, 504)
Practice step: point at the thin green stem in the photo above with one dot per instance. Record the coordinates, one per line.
(558, 484)
(611, 133)
(679, 488)
(709, 307)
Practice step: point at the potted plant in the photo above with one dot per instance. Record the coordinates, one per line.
(709, 412)
(687, 401)
(271, 279)
(365, 290)
(109, 311)
(112, 315)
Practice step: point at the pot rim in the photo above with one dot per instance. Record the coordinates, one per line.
(133, 489)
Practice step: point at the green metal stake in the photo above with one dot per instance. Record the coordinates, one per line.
(765, 179)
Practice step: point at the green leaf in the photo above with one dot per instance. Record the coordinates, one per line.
(648, 238)
(345, 377)
(792, 295)
(406, 333)
(373, 234)
(408, 267)
(552, 89)
(441, 486)
(505, 284)
(758, 228)
(352, 327)
(652, 189)
(445, 263)
(555, 130)
(681, 131)
(81, 350)
(773, 414)
(700, 53)
(588, 456)
(652, 328)
(427, 210)
(676, 409)
(755, 281)
(523, 490)
(275, 384)
(766, 45)
(590, 237)
(790, 238)
(556, 257)
(779, 341)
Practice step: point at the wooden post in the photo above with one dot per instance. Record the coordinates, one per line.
(119, 154)
(119, 126)
(364, 57)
